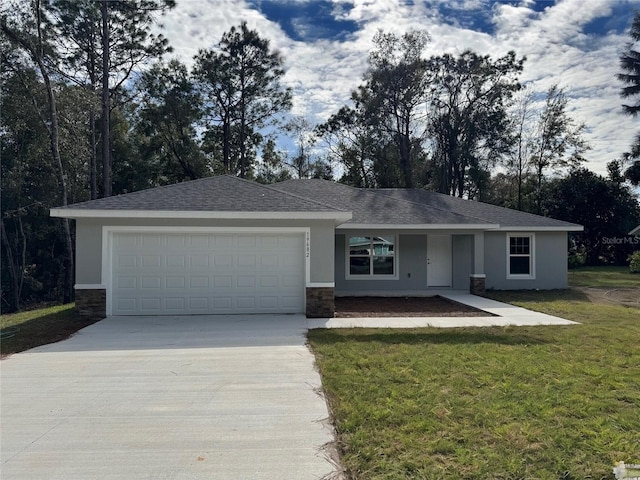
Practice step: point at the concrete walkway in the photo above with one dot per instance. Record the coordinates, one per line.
(195, 397)
(505, 315)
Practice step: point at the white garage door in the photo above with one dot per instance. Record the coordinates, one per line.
(206, 273)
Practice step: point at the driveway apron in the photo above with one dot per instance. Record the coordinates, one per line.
(193, 397)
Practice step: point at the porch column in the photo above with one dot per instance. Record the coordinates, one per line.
(477, 280)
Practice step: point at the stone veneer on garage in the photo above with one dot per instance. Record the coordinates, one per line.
(91, 304)
(320, 302)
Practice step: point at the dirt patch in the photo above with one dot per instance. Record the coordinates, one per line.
(350, 307)
(628, 297)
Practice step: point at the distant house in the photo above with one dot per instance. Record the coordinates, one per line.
(227, 245)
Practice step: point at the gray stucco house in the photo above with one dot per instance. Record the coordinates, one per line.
(227, 245)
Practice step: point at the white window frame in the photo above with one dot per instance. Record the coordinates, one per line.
(532, 256)
(371, 275)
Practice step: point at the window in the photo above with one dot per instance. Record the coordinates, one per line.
(371, 257)
(520, 262)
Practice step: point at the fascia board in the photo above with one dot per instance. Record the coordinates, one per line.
(87, 213)
(433, 226)
(572, 228)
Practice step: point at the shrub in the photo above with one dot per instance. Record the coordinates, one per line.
(634, 262)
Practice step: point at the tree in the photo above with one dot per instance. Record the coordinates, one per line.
(101, 43)
(557, 141)
(241, 79)
(26, 33)
(630, 64)
(468, 119)
(271, 168)
(169, 113)
(393, 96)
(630, 76)
(518, 161)
(607, 209)
(349, 141)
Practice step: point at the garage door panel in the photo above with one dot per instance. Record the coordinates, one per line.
(166, 273)
(246, 281)
(175, 282)
(127, 261)
(175, 304)
(222, 260)
(151, 261)
(199, 261)
(248, 261)
(270, 281)
(150, 304)
(127, 282)
(198, 303)
(174, 261)
(151, 282)
(246, 302)
(126, 305)
(198, 282)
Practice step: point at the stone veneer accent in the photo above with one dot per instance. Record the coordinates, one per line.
(91, 304)
(320, 302)
(477, 284)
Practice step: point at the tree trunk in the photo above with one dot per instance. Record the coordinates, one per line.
(15, 268)
(54, 143)
(106, 104)
(93, 168)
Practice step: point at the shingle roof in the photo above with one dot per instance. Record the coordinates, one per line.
(372, 207)
(222, 193)
(505, 217)
(397, 207)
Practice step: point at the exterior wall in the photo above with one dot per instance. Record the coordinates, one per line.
(462, 253)
(412, 265)
(89, 242)
(88, 253)
(92, 294)
(550, 262)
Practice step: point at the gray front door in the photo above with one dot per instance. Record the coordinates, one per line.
(439, 261)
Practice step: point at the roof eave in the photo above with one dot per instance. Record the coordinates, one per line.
(559, 228)
(451, 226)
(420, 226)
(337, 216)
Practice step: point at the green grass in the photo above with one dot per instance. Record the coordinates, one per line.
(603, 277)
(24, 330)
(490, 403)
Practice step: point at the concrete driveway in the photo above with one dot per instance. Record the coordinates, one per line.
(194, 397)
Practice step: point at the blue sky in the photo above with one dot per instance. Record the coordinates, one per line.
(573, 43)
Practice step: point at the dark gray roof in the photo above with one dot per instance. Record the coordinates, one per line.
(372, 207)
(222, 193)
(368, 206)
(505, 217)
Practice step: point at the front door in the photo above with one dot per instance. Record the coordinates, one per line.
(439, 261)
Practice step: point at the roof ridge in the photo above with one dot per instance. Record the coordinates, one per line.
(291, 180)
(159, 187)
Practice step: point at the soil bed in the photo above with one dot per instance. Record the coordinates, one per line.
(350, 307)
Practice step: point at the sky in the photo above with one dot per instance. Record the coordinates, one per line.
(573, 43)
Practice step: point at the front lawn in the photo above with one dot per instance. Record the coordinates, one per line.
(32, 328)
(494, 403)
(615, 277)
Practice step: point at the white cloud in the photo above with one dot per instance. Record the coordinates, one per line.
(323, 73)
